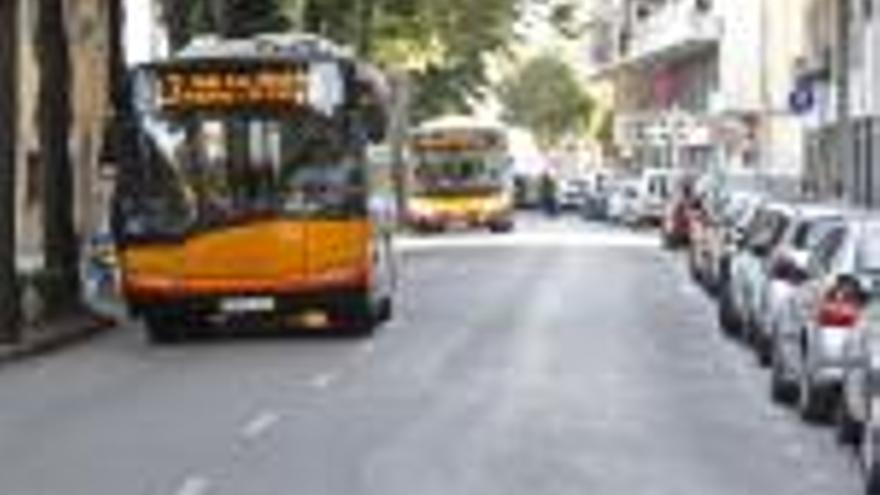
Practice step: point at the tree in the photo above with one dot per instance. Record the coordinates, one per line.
(9, 308)
(546, 97)
(61, 244)
(444, 44)
(242, 18)
(230, 18)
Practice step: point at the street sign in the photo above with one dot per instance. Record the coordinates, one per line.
(802, 99)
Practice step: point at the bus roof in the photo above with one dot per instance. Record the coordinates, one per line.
(286, 46)
(453, 122)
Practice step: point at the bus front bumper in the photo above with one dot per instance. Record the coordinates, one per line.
(326, 308)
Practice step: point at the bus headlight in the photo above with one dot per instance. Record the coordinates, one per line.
(421, 209)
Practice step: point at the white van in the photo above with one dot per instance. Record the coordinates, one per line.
(656, 189)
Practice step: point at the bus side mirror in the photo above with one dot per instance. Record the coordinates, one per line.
(119, 137)
(376, 123)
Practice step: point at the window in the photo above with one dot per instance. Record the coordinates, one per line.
(823, 255)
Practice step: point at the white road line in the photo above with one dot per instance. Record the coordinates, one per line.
(368, 348)
(324, 380)
(194, 485)
(260, 424)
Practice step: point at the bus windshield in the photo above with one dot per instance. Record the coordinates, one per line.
(458, 172)
(235, 166)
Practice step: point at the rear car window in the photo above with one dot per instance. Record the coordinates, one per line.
(869, 248)
(801, 237)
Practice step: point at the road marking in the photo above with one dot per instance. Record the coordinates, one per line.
(368, 348)
(194, 485)
(260, 424)
(324, 380)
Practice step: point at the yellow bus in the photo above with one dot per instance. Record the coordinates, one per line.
(460, 174)
(249, 196)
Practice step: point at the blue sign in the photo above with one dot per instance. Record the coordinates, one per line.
(802, 99)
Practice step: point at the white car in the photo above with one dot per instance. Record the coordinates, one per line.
(623, 203)
(784, 271)
(859, 413)
(572, 193)
(823, 316)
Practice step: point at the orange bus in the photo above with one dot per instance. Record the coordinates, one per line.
(250, 196)
(461, 174)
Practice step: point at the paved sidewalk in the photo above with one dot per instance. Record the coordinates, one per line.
(56, 334)
(102, 311)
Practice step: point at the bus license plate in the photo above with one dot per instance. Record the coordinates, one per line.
(248, 305)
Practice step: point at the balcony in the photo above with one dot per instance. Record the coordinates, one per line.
(675, 29)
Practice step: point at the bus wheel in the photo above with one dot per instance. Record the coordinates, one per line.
(385, 310)
(164, 327)
(501, 227)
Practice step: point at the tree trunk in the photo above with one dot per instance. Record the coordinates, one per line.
(9, 307)
(54, 120)
(116, 54)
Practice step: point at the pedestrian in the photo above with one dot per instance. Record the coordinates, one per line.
(549, 201)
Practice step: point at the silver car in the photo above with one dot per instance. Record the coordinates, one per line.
(859, 408)
(784, 271)
(741, 295)
(822, 319)
(714, 241)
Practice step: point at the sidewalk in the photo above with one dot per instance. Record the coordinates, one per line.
(40, 335)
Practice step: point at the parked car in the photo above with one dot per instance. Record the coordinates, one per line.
(859, 408)
(596, 198)
(683, 211)
(716, 236)
(824, 316)
(657, 187)
(572, 193)
(740, 295)
(623, 203)
(784, 271)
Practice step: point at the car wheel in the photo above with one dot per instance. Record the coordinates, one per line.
(727, 317)
(763, 350)
(814, 403)
(849, 431)
(782, 390)
(694, 269)
(869, 461)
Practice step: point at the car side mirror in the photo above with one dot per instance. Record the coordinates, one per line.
(791, 267)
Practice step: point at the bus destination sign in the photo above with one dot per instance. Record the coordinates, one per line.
(199, 89)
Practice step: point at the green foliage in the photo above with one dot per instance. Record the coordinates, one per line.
(242, 18)
(605, 132)
(232, 18)
(546, 97)
(443, 44)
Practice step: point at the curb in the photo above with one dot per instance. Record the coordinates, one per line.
(57, 335)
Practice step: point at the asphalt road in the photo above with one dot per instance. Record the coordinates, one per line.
(562, 359)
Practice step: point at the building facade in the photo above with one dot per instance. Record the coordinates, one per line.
(840, 67)
(704, 83)
(863, 98)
